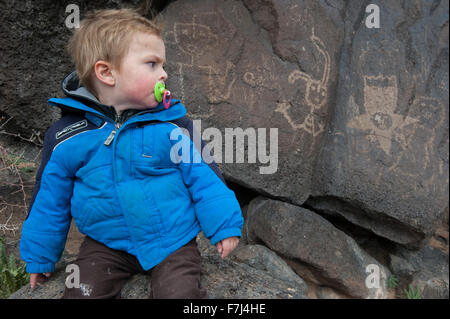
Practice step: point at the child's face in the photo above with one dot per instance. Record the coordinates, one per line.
(141, 69)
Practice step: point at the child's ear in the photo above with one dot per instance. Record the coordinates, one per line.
(103, 72)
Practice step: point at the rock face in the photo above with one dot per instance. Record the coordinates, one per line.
(33, 39)
(384, 162)
(249, 65)
(315, 249)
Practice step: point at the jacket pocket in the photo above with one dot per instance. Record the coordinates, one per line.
(148, 141)
(152, 149)
(144, 152)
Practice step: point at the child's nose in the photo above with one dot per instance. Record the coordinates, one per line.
(163, 76)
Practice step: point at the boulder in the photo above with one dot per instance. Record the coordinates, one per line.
(384, 161)
(228, 279)
(262, 258)
(315, 249)
(324, 292)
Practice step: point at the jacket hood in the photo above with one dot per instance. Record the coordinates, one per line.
(73, 89)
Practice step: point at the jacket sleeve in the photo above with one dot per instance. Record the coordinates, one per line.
(216, 206)
(44, 232)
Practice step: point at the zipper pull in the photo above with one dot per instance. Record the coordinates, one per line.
(111, 135)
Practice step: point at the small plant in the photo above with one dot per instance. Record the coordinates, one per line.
(392, 281)
(412, 293)
(12, 276)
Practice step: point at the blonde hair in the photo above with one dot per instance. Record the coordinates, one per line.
(105, 35)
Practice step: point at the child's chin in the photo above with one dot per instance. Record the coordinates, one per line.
(152, 105)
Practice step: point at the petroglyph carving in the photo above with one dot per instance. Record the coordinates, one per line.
(263, 74)
(380, 101)
(316, 90)
(198, 40)
(315, 96)
(310, 124)
(417, 140)
(414, 133)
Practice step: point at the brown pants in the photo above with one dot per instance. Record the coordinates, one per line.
(104, 271)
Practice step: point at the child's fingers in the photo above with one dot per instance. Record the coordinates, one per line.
(226, 251)
(34, 278)
(219, 247)
(228, 247)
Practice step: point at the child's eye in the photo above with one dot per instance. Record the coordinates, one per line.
(151, 63)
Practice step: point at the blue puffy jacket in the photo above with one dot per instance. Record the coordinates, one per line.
(121, 186)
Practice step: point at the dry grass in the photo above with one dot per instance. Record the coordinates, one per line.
(17, 177)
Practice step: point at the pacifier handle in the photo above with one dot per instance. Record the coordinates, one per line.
(165, 102)
(161, 94)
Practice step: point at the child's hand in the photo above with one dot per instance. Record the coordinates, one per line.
(227, 245)
(38, 278)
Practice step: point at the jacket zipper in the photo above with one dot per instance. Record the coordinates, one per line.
(112, 134)
(118, 121)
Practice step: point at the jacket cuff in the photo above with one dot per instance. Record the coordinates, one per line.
(225, 233)
(35, 268)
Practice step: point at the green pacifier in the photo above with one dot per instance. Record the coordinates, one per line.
(161, 94)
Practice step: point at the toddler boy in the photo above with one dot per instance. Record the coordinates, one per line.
(110, 163)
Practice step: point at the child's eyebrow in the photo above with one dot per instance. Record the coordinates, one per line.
(156, 58)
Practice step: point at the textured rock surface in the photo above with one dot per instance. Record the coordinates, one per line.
(258, 64)
(384, 162)
(228, 279)
(426, 269)
(262, 258)
(33, 39)
(313, 247)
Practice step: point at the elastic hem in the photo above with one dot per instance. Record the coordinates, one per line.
(225, 233)
(35, 268)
